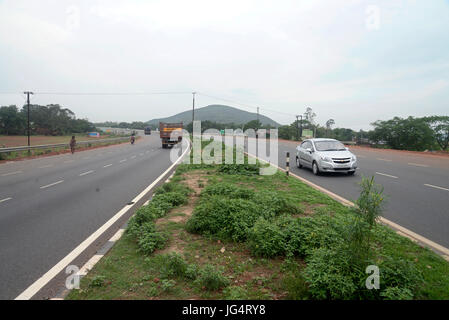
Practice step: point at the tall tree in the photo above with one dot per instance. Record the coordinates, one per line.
(11, 121)
(329, 124)
(440, 128)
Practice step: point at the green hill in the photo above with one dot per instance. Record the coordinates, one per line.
(216, 113)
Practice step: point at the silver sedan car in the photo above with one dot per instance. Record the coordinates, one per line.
(325, 155)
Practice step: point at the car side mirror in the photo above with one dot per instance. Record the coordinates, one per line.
(309, 150)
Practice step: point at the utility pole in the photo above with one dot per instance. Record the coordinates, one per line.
(193, 108)
(28, 116)
(297, 127)
(300, 126)
(257, 129)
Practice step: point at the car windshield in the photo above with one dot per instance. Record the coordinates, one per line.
(329, 146)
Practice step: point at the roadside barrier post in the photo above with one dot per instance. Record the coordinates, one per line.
(287, 165)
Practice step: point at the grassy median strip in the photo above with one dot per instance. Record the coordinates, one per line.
(225, 232)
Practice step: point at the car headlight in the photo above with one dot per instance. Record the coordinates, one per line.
(327, 159)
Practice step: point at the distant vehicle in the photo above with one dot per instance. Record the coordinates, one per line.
(170, 133)
(147, 130)
(325, 155)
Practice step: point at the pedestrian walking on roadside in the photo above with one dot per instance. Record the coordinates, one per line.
(72, 144)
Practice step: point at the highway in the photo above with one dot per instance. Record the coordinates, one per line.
(49, 205)
(416, 186)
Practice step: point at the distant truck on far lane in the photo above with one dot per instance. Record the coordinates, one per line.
(170, 133)
(147, 130)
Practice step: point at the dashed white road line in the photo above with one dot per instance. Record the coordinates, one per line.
(123, 160)
(436, 187)
(52, 184)
(386, 175)
(11, 173)
(133, 157)
(46, 166)
(108, 165)
(418, 164)
(6, 199)
(382, 159)
(86, 173)
(140, 154)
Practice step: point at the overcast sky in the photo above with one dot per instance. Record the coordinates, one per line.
(353, 61)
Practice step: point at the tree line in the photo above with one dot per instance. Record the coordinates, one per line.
(44, 120)
(412, 133)
(137, 125)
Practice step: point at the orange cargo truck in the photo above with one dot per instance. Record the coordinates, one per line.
(170, 133)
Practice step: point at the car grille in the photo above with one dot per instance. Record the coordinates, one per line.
(341, 160)
(341, 169)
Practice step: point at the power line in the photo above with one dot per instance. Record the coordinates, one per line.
(244, 104)
(110, 93)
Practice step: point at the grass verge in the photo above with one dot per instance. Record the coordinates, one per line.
(220, 232)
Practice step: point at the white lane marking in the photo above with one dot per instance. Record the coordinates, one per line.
(133, 157)
(386, 175)
(52, 184)
(140, 154)
(418, 164)
(61, 265)
(436, 187)
(123, 160)
(11, 173)
(381, 159)
(85, 173)
(68, 161)
(6, 199)
(108, 165)
(46, 166)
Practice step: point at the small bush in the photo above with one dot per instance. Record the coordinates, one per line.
(395, 293)
(240, 169)
(274, 204)
(167, 285)
(266, 239)
(174, 265)
(97, 281)
(149, 239)
(211, 278)
(191, 272)
(329, 275)
(399, 273)
(173, 187)
(228, 190)
(226, 218)
(235, 293)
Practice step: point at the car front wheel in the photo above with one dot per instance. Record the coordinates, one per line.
(315, 169)
(298, 163)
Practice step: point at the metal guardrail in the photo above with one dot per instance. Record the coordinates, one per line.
(60, 145)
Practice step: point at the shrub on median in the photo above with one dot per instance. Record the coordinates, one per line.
(141, 226)
(225, 218)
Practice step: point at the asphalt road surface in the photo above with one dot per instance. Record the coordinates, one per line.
(416, 186)
(49, 205)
